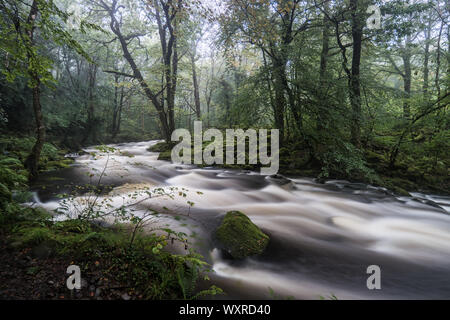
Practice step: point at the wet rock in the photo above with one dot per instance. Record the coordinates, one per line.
(240, 237)
(278, 179)
(429, 203)
(281, 181)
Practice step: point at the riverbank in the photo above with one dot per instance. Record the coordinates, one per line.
(408, 175)
(120, 262)
(35, 252)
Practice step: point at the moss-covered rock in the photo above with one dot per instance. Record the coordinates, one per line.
(164, 149)
(240, 237)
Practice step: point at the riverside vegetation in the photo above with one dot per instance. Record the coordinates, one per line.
(121, 261)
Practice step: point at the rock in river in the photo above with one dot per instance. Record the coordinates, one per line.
(240, 237)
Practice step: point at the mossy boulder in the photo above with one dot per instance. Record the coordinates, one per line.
(164, 149)
(240, 237)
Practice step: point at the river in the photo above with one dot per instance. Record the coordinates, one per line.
(323, 236)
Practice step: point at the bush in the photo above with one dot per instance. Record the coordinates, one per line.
(345, 161)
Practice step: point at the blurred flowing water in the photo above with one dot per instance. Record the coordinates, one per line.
(323, 236)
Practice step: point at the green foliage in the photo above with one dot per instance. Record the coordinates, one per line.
(5, 194)
(18, 148)
(154, 274)
(345, 162)
(18, 44)
(12, 174)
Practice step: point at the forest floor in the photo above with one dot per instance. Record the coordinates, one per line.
(26, 277)
(35, 253)
(35, 270)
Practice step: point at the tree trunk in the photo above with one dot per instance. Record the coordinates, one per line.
(116, 106)
(169, 52)
(173, 79)
(198, 110)
(426, 59)
(91, 131)
(280, 99)
(117, 114)
(355, 87)
(406, 56)
(447, 4)
(32, 161)
(322, 117)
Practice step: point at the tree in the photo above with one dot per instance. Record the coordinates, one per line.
(272, 27)
(19, 30)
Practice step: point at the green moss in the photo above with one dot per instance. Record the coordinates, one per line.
(166, 155)
(164, 149)
(10, 176)
(161, 147)
(36, 235)
(56, 164)
(240, 237)
(398, 185)
(374, 157)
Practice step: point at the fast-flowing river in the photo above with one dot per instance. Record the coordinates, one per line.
(322, 236)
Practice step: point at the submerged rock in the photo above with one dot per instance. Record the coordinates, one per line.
(279, 179)
(240, 237)
(430, 203)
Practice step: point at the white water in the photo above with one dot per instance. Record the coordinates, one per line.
(323, 237)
